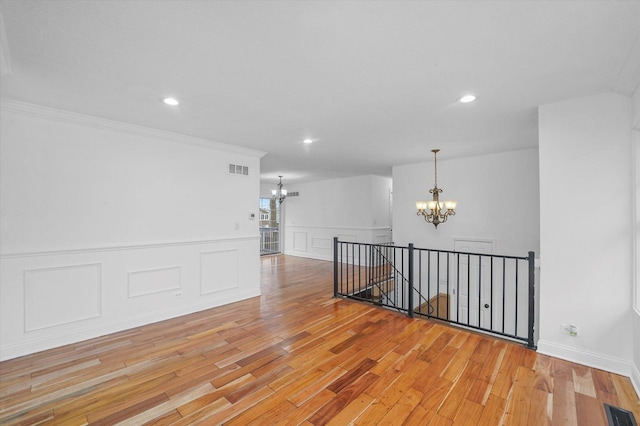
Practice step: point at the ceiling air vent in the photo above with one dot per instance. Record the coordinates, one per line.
(293, 194)
(236, 169)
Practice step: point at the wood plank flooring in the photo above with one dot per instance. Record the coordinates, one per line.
(297, 356)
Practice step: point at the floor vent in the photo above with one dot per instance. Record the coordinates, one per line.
(619, 417)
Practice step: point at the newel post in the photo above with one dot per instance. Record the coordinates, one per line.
(335, 266)
(532, 295)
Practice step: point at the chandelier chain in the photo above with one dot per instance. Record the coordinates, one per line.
(435, 167)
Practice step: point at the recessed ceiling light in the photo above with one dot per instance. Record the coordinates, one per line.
(467, 98)
(171, 101)
(307, 141)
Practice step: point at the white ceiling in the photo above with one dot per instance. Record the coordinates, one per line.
(373, 83)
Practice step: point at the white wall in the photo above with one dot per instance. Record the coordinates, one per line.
(352, 209)
(497, 198)
(586, 230)
(105, 226)
(265, 189)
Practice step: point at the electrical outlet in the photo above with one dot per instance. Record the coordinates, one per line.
(570, 329)
(177, 293)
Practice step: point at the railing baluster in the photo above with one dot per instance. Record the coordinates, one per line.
(515, 331)
(403, 295)
(370, 270)
(491, 297)
(458, 288)
(504, 286)
(429, 307)
(469, 289)
(340, 245)
(359, 267)
(438, 287)
(479, 291)
(397, 291)
(448, 307)
(420, 283)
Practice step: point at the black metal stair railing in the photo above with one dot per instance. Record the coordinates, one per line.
(368, 273)
(484, 292)
(382, 256)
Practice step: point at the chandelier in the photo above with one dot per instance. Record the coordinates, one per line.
(436, 211)
(279, 194)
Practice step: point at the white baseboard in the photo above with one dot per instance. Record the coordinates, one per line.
(635, 379)
(38, 345)
(308, 255)
(592, 359)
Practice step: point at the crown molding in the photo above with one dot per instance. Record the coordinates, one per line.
(628, 80)
(39, 111)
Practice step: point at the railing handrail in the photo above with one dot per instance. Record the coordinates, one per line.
(501, 256)
(506, 256)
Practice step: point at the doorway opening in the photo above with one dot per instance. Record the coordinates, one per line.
(269, 226)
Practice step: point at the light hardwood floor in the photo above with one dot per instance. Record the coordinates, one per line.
(297, 356)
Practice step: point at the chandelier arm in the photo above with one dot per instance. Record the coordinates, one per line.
(427, 217)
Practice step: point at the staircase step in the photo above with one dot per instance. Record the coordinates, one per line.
(441, 300)
(383, 288)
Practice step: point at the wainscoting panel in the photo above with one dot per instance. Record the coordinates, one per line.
(382, 238)
(49, 299)
(321, 243)
(218, 271)
(61, 295)
(300, 241)
(152, 281)
(321, 239)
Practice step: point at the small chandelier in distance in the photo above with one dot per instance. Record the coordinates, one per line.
(279, 194)
(436, 211)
